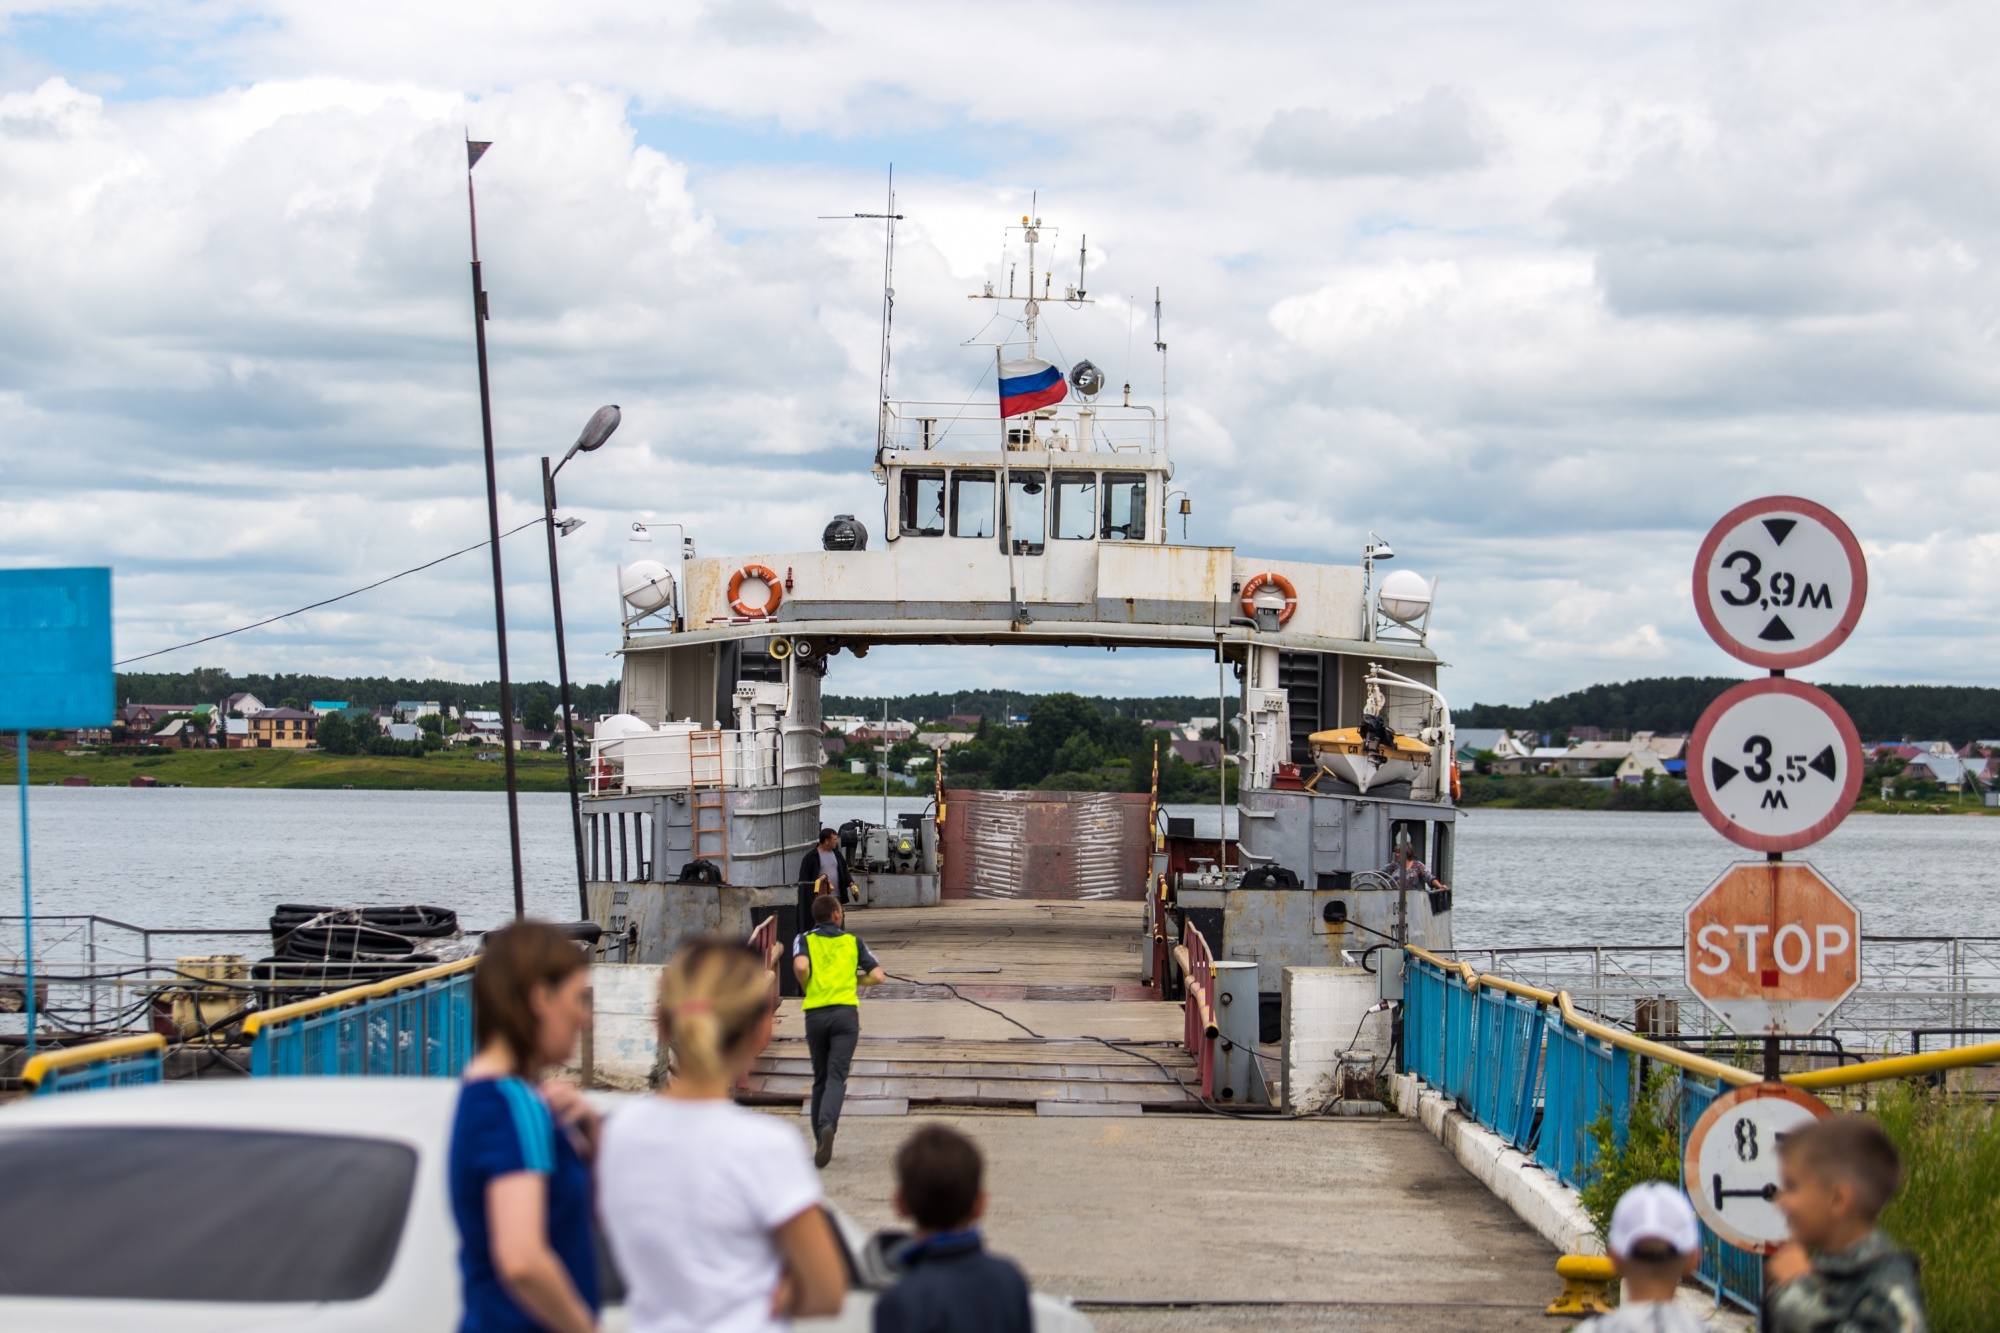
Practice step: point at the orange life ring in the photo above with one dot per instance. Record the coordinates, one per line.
(1278, 581)
(770, 580)
(1454, 781)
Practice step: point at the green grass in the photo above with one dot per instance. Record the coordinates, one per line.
(307, 769)
(1948, 1213)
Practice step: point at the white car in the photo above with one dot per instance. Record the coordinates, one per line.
(314, 1204)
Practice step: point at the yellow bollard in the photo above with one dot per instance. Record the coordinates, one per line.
(1587, 1281)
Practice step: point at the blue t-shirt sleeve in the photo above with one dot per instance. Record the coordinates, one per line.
(509, 1131)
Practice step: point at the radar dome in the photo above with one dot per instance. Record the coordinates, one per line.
(1406, 596)
(646, 585)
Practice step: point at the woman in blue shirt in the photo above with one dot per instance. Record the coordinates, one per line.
(520, 1148)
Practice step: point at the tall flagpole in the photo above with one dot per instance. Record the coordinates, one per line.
(474, 150)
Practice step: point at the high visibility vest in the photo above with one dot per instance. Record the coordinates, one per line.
(835, 977)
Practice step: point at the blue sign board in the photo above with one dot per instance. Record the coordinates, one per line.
(55, 649)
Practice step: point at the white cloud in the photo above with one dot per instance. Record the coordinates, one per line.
(1436, 133)
(1539, 324)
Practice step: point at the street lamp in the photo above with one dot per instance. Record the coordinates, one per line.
(595, 432)
(1375, 550)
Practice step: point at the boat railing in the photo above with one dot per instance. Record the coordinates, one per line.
(416, 1025)
(1084, 428)
(1201, 1031)
(117, 1063)
(1526, 1063)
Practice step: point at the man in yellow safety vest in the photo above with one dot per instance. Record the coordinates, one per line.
(831, 966)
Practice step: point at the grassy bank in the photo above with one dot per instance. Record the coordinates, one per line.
(307, 769)
(1948, 1213)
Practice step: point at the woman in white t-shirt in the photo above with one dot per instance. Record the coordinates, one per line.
(712, 1209)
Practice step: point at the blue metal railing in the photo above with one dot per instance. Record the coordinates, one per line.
(418, 1025)
(1510, 1059)
(117, 1063)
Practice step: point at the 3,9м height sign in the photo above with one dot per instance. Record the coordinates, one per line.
(1780, 582)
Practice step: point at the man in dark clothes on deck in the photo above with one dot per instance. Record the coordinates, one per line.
(950, 1283)
(823, 870)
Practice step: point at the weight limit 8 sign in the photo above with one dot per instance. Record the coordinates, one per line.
(1780, 582)
(1731, 1166)
(1774, 765)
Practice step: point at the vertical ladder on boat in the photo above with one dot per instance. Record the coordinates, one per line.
(705, 759)
(711, 822)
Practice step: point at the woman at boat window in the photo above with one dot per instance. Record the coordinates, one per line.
(521, 1147)
(712, 1209)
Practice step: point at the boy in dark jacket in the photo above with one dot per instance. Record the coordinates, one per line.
(950, 1284)
(1839, 1274)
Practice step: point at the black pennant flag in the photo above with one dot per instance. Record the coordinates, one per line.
(1719, 774)
(1780, 528)
(474, 150)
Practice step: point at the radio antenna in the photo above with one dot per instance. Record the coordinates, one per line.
(890, 217)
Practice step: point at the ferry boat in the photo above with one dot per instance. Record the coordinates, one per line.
(1038, 518)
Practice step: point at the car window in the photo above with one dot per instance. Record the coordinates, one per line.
(160, 1214)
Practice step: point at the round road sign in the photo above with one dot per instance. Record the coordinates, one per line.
(1780, 582)
(1731, 1167)
(1774, 764)
(1772, 947)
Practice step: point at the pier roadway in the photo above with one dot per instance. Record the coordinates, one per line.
(1121, 1192)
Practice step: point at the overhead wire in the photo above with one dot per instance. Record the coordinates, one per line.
(314, 606)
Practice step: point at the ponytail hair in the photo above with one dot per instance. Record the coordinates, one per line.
(712, 997)
(513, 961)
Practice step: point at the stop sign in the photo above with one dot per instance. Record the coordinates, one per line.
(1772, 947)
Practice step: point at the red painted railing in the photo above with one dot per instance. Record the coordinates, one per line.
(1200, 1032)
(764, 940)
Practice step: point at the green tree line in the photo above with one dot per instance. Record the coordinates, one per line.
(532, 699)
(1072, 744)
(1957, 713)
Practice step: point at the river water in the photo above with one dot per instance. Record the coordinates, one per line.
(221, 857)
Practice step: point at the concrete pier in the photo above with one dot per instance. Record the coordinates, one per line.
(1152, 1213)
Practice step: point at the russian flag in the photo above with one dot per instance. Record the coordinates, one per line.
(1027, 385)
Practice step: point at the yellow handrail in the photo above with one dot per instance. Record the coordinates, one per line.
(353, 994)
(111, 1048)
(1901, 1066)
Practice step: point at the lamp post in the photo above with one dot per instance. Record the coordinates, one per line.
(595, 432)
(474, 150)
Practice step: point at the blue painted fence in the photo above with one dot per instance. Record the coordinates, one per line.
(417, 1026)
(121, 1062)
(1512, 1064)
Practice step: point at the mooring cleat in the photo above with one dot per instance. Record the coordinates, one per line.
(1587, 1280)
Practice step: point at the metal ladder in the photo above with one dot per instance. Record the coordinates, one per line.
(709, 802)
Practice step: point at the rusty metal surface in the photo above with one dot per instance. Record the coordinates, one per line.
(1076, 846)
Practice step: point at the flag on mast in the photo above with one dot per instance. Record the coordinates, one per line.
(1028, 384)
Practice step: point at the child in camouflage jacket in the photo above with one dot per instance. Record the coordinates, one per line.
(1840, 1274)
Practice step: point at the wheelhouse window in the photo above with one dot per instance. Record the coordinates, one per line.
(972, 497)
(923, 504)
(1124, 506)
(1027, 527)
(1075, 495)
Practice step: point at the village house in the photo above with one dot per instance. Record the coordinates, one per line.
(241, 705)
(282, 729)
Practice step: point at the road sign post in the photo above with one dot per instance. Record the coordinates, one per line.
(1774, 764)
(1730, 1170)
(1772, 948)
(1780, 582)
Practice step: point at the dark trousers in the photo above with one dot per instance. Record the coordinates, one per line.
(830, 1036)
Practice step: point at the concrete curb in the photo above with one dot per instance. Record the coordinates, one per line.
(1537, 1198)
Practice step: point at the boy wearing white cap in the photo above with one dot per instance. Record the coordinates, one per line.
(1655, 1242)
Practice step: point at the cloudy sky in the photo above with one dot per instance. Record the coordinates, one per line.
(1535, 291)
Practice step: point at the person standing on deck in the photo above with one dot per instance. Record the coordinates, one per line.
(1405, 871)
(831, 966)
(823, 870)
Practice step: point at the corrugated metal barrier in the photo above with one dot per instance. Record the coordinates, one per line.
(1067, 845)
